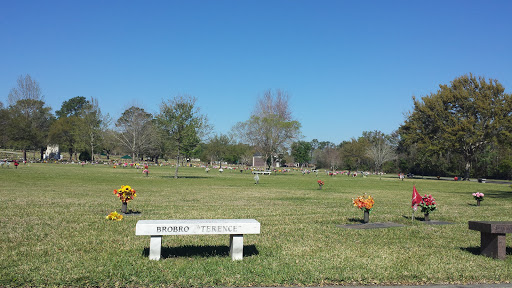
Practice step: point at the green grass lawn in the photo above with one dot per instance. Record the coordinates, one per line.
(54, 231)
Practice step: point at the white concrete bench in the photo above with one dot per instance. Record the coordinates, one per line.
(262, 172)
(234, 227)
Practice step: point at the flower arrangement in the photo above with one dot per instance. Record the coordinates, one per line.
(115, 216)
(125, 194)
(428, 204)
(320, 184)
(364, 202)
(146, 171)
(478, 196)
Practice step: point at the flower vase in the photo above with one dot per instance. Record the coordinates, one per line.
(478, 202)
(319, 187)
(124, 207)
(366, 216)
(427, 217)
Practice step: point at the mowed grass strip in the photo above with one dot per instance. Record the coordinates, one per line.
(54, 231)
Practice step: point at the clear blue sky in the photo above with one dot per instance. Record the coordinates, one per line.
(349, 66)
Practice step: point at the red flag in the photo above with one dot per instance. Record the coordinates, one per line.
(416, 197)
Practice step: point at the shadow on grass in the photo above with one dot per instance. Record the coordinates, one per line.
(185, 177)
(422, 219)
(472, 250)
(356, 220)
(489, 194)
(499, 194)
(201, 251)
(476, 250)
(131, 213)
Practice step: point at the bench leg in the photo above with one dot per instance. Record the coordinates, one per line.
(155, 247)
(236, 246)
(493, 245)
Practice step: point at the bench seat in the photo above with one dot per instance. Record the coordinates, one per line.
(262, 172)
(233, 227)
(492, 237)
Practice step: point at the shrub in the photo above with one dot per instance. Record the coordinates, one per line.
(85, 156)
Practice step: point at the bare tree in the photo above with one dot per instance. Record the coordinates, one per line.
(135, 130)
(271, 128)
(246, 157)
(26, 89)
(380, 150)
(332, 156)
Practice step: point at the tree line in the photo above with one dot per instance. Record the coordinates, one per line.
(462, 129)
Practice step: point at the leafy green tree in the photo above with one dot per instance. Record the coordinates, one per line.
(217, 148)
(92, 125)
(68, 130)
(4, 122)
(64, 132)
(462, 118)
(271, 128)
(28, 125)
(301, 152)
(182, 124)
(110, 142)
(354, 154)
(72, 107)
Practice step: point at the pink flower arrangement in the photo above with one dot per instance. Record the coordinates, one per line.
(478, 196)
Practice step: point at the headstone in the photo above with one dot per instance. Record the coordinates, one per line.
(371, 225)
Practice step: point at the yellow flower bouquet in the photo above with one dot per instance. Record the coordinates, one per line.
(125, 194)
(115, 216)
